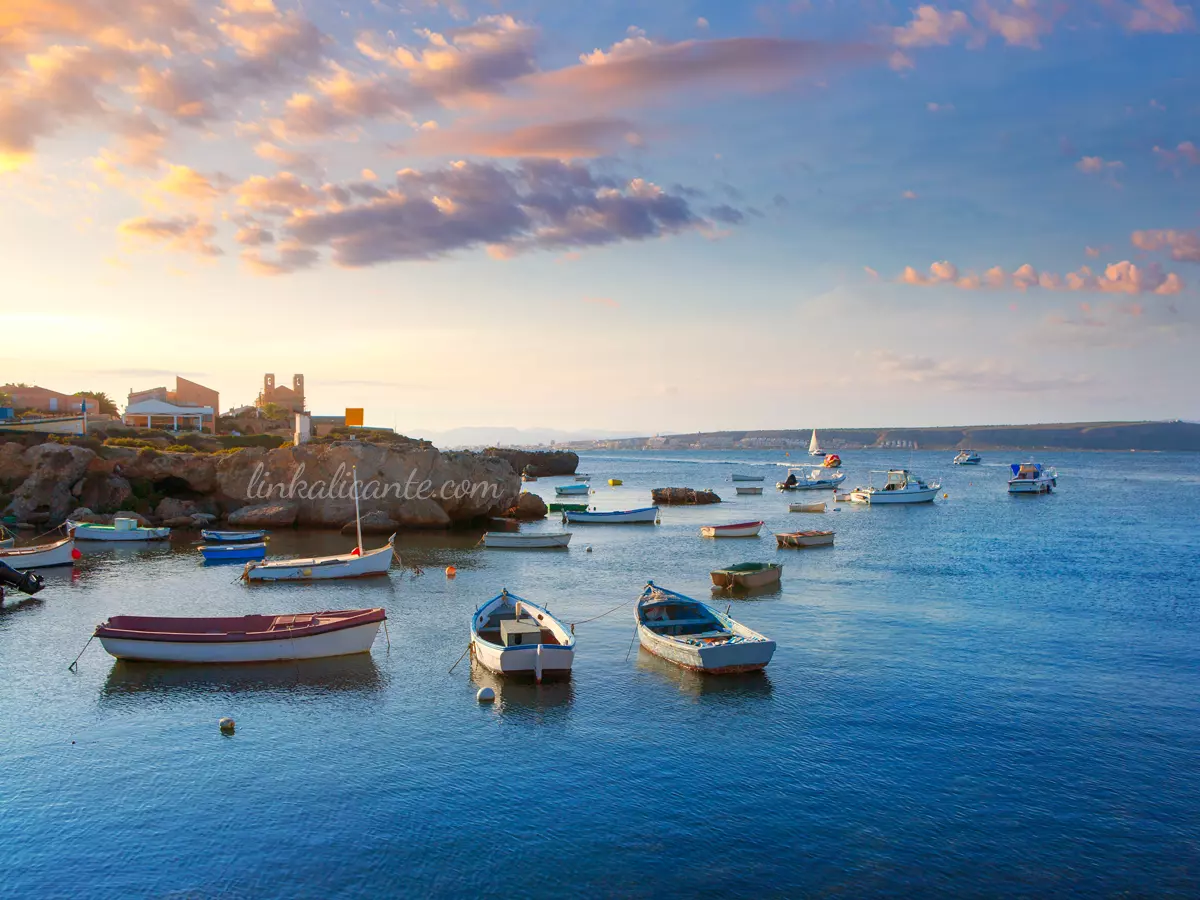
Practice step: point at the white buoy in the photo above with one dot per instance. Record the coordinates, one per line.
(226, 725)
(485, 695)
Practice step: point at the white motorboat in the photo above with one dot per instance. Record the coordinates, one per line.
(122, 529)
(1032, 478)
(42, 556)
(515, 540)
(967, 458)
(696, 636)
(900, 486)
(510, 635)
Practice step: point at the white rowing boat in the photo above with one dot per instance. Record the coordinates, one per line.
(42, 556)
(694, 635)
(737, 476)
(122, 529)
(806, 507)
(232, 537)
(570, 490)
(736, 530)
(646, 515)
(513, 540)
(510, 635)
(748, 491)
(802, 539)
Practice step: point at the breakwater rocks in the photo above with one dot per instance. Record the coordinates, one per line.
(538, 462)
(310, 485)
(681, 496)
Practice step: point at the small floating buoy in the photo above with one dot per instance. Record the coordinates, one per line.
(587, 549)
(226, 725)
(485, 695)
(945, 496)
(451, 571)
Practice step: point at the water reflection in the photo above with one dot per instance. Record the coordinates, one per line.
(354, 674)
(747, 684)
(740, 593)
(523, 697)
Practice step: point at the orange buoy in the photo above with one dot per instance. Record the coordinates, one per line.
(451, 571)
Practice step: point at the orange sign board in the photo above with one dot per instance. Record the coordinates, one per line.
(354, 417)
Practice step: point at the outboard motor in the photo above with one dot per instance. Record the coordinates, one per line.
(25, 582)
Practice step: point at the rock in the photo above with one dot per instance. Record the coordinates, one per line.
(423, 514)
(45, 494)
(174, 508)
(13, 467)
(104, 491)
(265, 514)
(203, 520)
(374, 522)
(528, 507)
(682, 496)
(179, 522)
(538, 462)
(191, 471)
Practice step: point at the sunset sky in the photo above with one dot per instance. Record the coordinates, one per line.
(622, 216)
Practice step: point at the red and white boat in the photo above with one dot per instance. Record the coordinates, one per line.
(241, 639)
(739, 529)
(41, 556)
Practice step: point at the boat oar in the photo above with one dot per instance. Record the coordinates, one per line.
(72, 666)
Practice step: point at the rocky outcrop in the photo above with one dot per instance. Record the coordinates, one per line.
(45, 494)
(103, 491)
(264, 515)
(538, 462)
(681, 496)
(527, 508)
(376, 522)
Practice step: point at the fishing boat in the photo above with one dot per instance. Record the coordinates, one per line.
(739, 477)
(358, 563)
(747, 575)
(806, 507)
(647, 514)
(900, 486)
(42, 556)
(811, 480)
(510, 635)
(512, 540)
(232, 537)
(582, 477)
(122, 529)
(804, 539)
(748, 491)
(814, 446)
(571, 490)
(240, 639)
(832, 461)
(967, 458)
(615, 482)
(233, 551)
(1032, 478)
(736, 530)
(563, 507)
(694, 635)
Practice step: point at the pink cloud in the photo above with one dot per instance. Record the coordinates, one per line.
(1185, 153)
(1123, 277)
(1020, 25)
(1184, 245)
(577, 139)
(1163, 16)
(188, 234)
(1097, 165)
(930, 26)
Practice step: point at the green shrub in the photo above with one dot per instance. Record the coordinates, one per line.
(130, 442)
(228, 451)
(182, 448)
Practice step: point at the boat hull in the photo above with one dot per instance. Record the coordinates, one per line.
(1027, 486)
(540, 660)
(236, 551)
(232, 537)
(806, 507)
(882, 498)
(726, 578)
(373, 563)
(747, 530)
(647, 516)
(725, 659)
(343, 642)
(572, 490)
(749, 491)
(43, 556)
(805, 539)
(503, 540)
(88, 532)
(747, 478)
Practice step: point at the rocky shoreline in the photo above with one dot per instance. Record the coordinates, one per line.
(402, 485)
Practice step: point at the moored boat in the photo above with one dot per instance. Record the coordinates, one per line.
(748, 491)
(240, 639)
(232, 537)
(354, 564)
(510, 635)
(747, 575)
(122, 529)
(806, 507)
(233, 551)
(967, 458)
(571, 490)
(814, 446)
(900, 486)
(615, 482)
(820, 479)
(1032, 478)
(696, 636)
(41, 556)
(737, 529)
(563, 507)
(582, 477)
(512, 540)
(804, 539)
(645, 515)
(737, 476)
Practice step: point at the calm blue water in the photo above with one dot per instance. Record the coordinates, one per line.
(990, 695)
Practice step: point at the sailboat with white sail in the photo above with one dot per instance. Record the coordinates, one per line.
(814, 446)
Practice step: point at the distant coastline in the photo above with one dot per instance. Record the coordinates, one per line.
(1118, 436)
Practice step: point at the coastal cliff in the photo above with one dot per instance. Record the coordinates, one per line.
(405, 485)
(541, 462)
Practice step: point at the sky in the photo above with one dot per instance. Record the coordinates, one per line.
(609, 216)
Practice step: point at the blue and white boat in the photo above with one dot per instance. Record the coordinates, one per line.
(570, 490)
(1032, 478)
(967, 458)
(647, 514)
(232, 537)
(233, 551)
(510, 636)
(696, 636)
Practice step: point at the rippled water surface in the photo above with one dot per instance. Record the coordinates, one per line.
(989, 695)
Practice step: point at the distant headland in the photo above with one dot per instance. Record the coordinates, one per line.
(1125, 436)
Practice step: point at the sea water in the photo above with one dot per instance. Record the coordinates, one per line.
(990, 694)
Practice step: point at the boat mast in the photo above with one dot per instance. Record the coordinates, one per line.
(357, 517)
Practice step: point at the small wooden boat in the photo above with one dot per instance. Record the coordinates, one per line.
(511, 540)
(747, 575)
(694, 635)
(232, 537)
(615, 482)
(738, 529)
(233, 551)
(41, 556)
(806, 507)
(736, 476)
(842, 496)
(571, 490)
(241, 639)
(565, 507)
(748, 491)
(582, 477)
(510, 635)
(648, 514)
(122, 529)
(804, 539)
